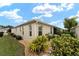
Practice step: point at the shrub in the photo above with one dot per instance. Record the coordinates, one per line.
(49, 36)
(72, 33)
(9, 30)
(1, 34)
(39, 45)
(9, 46)
(65, 45)
(13, 35)
(18, 37)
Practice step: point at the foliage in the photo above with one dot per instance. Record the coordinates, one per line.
(39, 45)
(8, 26)
(72, 33)
(65, 45)
(1, 34)
(18, 37)
(70, 23)
(9, 46)
(49, 36)
(2, 26)
(9, 30)
(13, 35)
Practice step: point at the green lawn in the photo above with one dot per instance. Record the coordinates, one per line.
(9, 46)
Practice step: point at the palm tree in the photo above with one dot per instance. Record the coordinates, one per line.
(69, 23)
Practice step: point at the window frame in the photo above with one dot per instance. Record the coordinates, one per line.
(30, 30)
(40, 30)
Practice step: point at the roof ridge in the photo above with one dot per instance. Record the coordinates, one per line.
(37, 20)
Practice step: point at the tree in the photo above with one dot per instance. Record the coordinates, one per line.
(70, 23)
(8, 26)
(9, 30)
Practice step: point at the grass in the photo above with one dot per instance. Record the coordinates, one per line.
(9, 46)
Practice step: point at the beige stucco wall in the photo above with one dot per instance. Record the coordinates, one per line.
(18, 31)
(26, 31)
(45, 30)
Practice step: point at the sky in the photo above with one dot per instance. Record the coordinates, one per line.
(51, 13)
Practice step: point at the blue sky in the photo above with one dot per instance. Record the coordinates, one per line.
(52, 13)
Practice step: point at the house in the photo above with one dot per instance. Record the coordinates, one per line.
(32, 29)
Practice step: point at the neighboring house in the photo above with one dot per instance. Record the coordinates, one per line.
(32, 29)
(76, 30)
(3, 29)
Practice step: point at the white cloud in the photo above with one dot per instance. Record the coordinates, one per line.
(20, 21)
(5, 4)
(43, 9)
(36, 17)
(47, 9)
(58, 23)
(47, 15)
(76, 15)
(12, 15)
(70, 6)
(40, 17)
(67, 6)
(71, 16)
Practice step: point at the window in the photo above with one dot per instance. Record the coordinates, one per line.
(51, 30)
(22, 30)
(40, 30)
(30, 30)
(30, 33)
